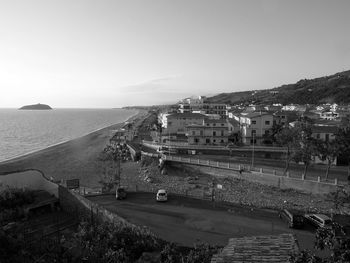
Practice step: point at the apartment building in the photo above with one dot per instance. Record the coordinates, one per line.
(201, 105)
(210, 132)
(254, 126)
(176, 123)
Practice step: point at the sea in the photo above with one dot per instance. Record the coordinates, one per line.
(27, 131)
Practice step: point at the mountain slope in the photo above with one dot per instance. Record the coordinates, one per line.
(330, 89)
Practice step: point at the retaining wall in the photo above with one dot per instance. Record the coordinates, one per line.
(282, 182)
(31, 179)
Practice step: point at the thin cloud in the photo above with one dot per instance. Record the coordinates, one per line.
(165, 84)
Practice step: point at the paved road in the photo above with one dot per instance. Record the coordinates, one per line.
(185, 221)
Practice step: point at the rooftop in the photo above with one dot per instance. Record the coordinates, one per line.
(255, 114)
(215, 121)
(272, 248)
(187, 115)
(324, 129)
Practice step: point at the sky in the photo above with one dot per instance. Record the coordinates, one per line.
(105, 54)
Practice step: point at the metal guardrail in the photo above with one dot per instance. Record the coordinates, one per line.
(213, 147)
(210, 163)
(240, 168)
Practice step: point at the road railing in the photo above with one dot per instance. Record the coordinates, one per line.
(183, 145)
(245, 168)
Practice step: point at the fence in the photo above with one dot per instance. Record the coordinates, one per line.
(263, 176)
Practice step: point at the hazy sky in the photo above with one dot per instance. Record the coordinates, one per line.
(70, 53)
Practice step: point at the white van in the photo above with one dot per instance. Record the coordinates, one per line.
(318, 220)
(162, 195)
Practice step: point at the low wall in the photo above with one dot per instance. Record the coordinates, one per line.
(281, 182)
(31, 179)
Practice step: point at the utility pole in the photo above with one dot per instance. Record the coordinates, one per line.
(253, 152)
(117, 157)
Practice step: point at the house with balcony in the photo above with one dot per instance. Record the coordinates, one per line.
(210, 132)
(176, 123)
(254, 126)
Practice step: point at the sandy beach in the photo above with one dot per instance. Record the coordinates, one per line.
(77, 158)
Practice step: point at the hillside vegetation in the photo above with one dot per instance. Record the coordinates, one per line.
(330, 89)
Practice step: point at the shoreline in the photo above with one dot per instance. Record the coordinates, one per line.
(14, 158)
(72, 159)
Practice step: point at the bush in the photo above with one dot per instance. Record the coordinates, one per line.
(11, 198)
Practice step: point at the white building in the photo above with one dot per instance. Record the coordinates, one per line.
(254, 126)
(176, 123)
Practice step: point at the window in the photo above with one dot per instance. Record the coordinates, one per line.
(214, 133)
(253, 122)
(222, 141)
(253, 132)
(222, 133)
(193, 133)
(222, 124)
(267, 122)
(327, 137)
(207, 124)
(214, 124)
(318, 136)
(201, 133)
(207, 140)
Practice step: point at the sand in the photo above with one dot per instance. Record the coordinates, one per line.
(77, 158)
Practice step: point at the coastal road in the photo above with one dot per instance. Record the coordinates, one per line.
(186, 221)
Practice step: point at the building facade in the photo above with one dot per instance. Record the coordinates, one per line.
(210, 132)
(254, 126)
(177, 122)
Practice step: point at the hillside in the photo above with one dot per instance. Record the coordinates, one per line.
(36, 107)
(330, 89)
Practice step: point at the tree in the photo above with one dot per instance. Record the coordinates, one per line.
(340, 198)
(289, 138)
(343, 140)
(333, 238)
(276, 129)
(327, 151)
(305, 148)
(111, 157)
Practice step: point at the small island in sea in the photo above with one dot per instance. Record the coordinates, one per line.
(38, 106)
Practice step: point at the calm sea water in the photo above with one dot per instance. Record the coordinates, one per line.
(25, 131)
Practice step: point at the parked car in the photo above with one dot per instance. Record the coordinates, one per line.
(162, 195)
(120, 193)
(292, 218)
(318, 220)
